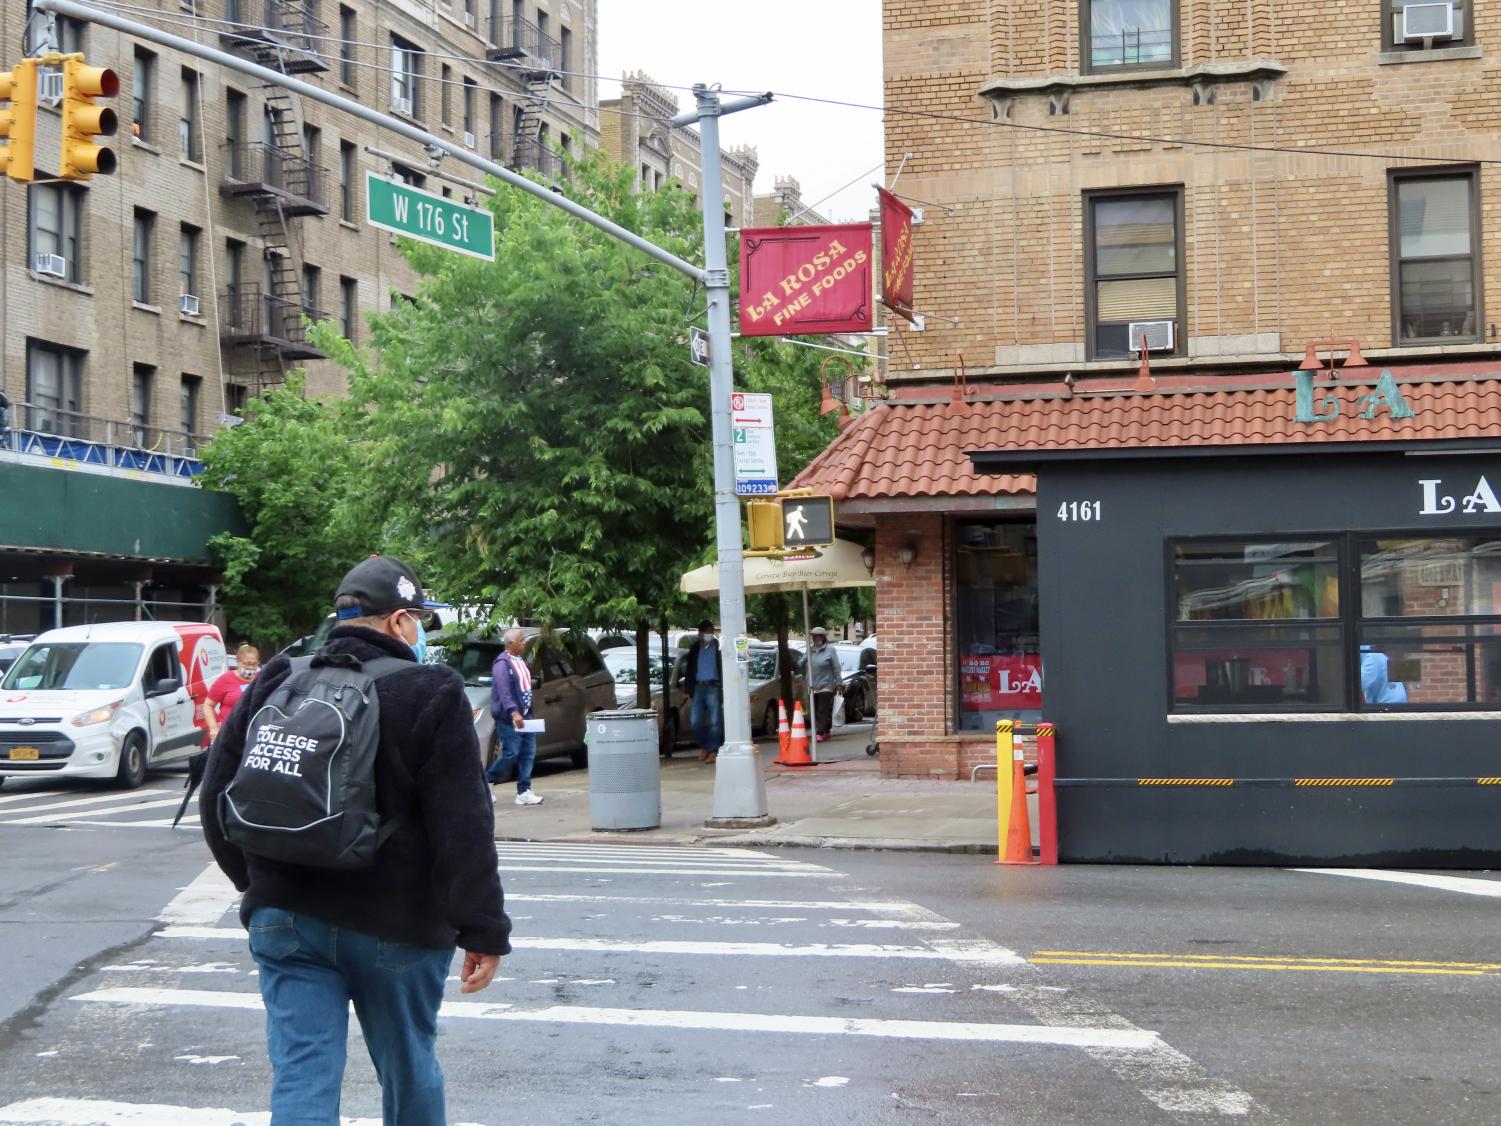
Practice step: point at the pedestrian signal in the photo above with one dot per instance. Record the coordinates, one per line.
(807, 521)
(83, 121)
(765, 519)
(18, 121)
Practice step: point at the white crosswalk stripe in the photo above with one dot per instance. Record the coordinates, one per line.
(584, 959)
(107, 808)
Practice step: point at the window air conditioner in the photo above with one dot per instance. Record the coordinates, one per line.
(190, 304)
(401, 105)
(469, 18)
(469, 139)
(49, 87)
(53, 264)
(1427, 21)
(1159, 335)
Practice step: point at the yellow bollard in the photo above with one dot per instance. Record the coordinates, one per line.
(1003, 783)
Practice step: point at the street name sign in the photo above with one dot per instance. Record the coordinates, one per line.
(755, 442)
(807, 521)
(429, 218)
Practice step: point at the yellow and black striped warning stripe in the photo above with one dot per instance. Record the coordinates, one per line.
(1282, 783)
(1185, 781)
(1344, 781)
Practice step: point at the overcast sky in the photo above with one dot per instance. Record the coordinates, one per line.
(825, 48)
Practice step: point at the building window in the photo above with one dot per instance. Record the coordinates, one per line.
(996, 619)
(1435, 258)
(406, 73)
(468, 111)
(312, 143)
(56, 230)
(54, 389)
(191, 385)
(140, 404)
(1128, 34)
(346, 181)
(347, 37)
(140, 256)
(142, 76)
(1263, 626)
(1430, 26)
(310, 276)
(1257, 626)
(234, 283)
(349, 303)
(187, 127)
(1134, 284)
(187, 263)
(565, 56)
(445, 83)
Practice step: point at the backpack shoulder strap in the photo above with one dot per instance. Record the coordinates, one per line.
(377, 668)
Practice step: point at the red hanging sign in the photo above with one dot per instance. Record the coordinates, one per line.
(798, 281)
(1000, 682)
(896, 254)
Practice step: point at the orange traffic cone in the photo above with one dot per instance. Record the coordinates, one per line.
(1018, 829)
(797, 747)
(784, 733)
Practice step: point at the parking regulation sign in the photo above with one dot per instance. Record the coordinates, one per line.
(755, 444)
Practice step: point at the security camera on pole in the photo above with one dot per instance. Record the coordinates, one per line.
(739, 789)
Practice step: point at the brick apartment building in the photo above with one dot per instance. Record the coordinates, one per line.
(1338, 191)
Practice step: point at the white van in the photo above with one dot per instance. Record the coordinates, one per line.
(107, 701)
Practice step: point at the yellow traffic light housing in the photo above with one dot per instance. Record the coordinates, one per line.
(83, 121)
(18, 121)
(765, 519)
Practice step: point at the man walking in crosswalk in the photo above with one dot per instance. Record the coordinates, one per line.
(382, 935)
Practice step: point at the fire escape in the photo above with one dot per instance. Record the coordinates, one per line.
(264, 323)
(537, 60)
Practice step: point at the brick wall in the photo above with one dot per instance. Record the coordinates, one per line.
(1279, 247)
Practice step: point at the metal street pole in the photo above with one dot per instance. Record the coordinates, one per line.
(739, 789)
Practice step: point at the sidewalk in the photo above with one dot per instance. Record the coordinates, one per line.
(841, 803)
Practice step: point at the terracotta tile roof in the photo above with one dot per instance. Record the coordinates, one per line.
(921, 449)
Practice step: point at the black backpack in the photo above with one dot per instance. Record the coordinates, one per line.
(304, 792)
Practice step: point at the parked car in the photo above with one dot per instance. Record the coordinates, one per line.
(623, 667)
(569, 680)
(857, 663)
(10, 649)
(108, 701)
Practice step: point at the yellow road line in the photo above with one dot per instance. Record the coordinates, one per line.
(1254, 962)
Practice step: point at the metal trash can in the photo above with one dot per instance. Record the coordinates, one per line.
(625, 775)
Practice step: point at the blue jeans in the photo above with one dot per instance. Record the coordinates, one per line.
(518, 750)
(707, 716)
(309, 973)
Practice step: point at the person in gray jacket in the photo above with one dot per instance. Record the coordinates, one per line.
(826, 680)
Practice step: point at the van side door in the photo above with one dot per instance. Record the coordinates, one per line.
(170, 713)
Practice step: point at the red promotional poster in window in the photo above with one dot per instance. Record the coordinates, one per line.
(1001, 682)
(806, 280)
(896, 254)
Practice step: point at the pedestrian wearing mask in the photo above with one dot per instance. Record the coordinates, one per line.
(370, 919)
(703, 683)
(826, 680)
(228, 687)
(511, 707)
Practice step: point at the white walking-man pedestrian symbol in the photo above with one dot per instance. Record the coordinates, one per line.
(795, 522)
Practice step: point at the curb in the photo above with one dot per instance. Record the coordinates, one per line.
(756, 840)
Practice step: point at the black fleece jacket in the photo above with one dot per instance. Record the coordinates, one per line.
(435, 883)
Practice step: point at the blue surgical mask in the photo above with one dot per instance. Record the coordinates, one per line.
(420, 648)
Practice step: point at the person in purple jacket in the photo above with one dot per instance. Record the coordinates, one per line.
(511, 705)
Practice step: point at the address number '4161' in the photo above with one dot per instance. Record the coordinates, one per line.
(1075, 511)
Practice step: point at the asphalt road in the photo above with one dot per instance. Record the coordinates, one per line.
(724, 986)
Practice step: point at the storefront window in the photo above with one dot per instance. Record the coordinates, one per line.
(1000, 658)
(1257, 626)
(1430, 629)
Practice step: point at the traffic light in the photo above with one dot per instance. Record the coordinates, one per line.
(83, 121)
(18, 121)
(765, 519)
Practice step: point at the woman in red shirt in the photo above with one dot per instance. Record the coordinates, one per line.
(226, 691)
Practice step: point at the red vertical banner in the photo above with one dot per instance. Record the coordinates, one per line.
(896, 254)
(806, 280)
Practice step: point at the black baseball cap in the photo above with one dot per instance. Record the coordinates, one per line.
(382, 584)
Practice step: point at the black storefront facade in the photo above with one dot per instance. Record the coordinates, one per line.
(1269, 638)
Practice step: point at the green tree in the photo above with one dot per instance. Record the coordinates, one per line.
(293, 469)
